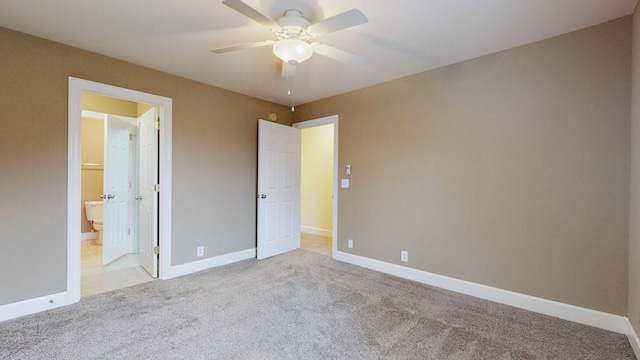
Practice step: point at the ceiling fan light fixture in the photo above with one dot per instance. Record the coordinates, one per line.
(292, 51)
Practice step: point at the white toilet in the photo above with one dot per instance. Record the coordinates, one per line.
(94, 214)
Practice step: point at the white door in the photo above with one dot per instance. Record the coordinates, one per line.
(147, 198)
(278, 189)
(115, 239)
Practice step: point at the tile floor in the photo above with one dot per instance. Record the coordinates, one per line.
(97, 279)
(316, 243)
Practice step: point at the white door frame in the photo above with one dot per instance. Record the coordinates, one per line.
(333, 119)
(76, 87)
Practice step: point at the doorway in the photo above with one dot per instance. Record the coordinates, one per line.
(119, 158)
(163, 227)
(279, 191)
(319, 184)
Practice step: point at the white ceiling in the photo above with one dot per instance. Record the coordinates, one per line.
(402, 37)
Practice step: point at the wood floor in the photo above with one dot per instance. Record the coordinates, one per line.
(97, 279)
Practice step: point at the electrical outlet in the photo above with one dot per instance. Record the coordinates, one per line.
(200, 251)
(404, 256)
(350, 244)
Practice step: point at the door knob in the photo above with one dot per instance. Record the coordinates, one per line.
(139, 197)
(110, 196)
(262, 196)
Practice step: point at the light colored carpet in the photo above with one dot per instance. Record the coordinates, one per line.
(299, 305)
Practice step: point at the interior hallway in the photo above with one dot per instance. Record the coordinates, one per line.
(97, 279)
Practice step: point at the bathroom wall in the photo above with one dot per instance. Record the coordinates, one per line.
(317, 180)
(109, 105)
(142, 108)
(91, 175)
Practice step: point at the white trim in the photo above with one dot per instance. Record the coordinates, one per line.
(204, 264)
(573, 313)
(86, 114)
(92, 115)
(332, 119)
(48, 302)
(32, 306)
(76, 87)
(91, 235)
(73, 189)
(633, 339)
(316, 231)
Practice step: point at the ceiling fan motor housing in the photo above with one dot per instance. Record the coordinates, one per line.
(293, 25)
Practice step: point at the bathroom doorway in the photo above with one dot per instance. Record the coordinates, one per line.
(160, 234)
(119, 150)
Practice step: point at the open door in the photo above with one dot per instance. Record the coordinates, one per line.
(147, 198)
(115, 236)
(278, 228)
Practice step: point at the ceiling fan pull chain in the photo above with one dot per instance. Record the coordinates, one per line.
(290, 93)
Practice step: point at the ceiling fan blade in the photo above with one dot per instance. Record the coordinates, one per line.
(252, 14)
(288, 69)
(345, 20)
(337, 54)
(226, 49)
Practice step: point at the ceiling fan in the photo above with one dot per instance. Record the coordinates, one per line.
(296, 36)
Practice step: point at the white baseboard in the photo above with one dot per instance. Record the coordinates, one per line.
(48, 302)
(611, 322)
(633, 339)
(207, 263)
(316, 231)
(88, 236)
(32, 306)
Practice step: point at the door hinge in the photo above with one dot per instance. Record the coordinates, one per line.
(129, 231)
(130, 137)
(156, 250)
(157, 125)
(156, 187)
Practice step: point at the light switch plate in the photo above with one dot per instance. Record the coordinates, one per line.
(344, 184)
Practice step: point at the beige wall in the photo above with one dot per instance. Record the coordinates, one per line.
(317, 179)
(634, 227)
(214, 160)
(509, 170)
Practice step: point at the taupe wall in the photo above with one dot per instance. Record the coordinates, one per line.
(510, 170)
(634, 228)
(214, 160)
